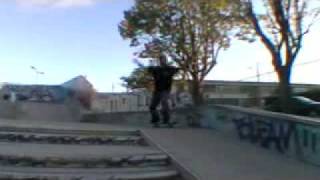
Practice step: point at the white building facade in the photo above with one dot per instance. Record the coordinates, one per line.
(133, 101)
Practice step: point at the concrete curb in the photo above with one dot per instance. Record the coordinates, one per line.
(186, 173)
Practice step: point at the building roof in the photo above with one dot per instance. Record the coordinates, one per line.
(252, 83)
(77, 82)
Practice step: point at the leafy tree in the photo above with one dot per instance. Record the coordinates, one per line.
(281, 26)
(139, 78)
(191, 33)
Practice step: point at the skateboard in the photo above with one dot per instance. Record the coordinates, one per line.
(161, 125)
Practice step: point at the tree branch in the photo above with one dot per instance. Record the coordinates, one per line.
(266, 41)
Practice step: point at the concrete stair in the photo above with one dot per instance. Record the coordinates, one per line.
(53, 154)
(70, 139)
(143, 160)
(41, 130)
(150, 173)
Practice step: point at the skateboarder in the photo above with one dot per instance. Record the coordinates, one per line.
(163, 77)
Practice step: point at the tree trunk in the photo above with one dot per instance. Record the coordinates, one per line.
(196, 92)
(285, 89)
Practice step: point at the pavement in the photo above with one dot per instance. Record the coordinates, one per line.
(211, 155)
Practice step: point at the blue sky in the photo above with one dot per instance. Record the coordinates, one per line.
(81, 37)
(64, 42)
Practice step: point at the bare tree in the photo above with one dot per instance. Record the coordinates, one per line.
(281, 26)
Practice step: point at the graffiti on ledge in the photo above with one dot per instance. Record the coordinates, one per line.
(277, 133)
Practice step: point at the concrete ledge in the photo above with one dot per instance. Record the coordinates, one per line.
(270, 114)
(290, 135)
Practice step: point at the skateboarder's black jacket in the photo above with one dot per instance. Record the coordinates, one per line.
(163, 76)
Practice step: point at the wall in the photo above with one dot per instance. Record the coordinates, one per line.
(36, 93)
(120, 102)
(40, 111)
(133, 102)
(9, 110)
(290, 135)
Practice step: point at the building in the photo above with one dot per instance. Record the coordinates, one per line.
(34, 93)
(245, 93)
(78, 88)
(64, 102)
(80, 91)
(133, 101)
(121, 102)
(219, 92)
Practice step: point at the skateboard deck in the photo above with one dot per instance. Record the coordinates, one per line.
(160, 125)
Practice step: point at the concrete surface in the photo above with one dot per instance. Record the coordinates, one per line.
(58, 125)
(83, 152)
(211, 155)
(65, 112)
(126, 161)
(91, 174)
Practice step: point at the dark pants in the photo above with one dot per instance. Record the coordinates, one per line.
(163, 98)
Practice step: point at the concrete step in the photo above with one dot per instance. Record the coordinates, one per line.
(46, 138)
(110, 132)
(146, 160)
(82, 152)
(148, 173)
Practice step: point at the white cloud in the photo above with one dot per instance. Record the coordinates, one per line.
(55, 3)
